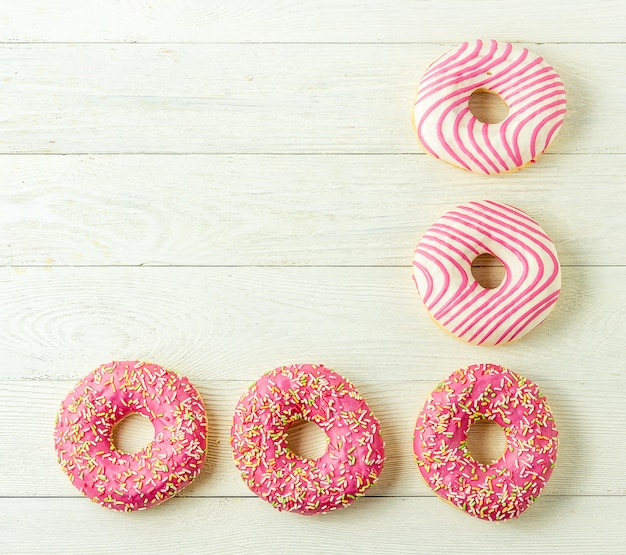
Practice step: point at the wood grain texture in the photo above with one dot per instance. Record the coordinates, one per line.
(235, 526)
(229, 98)
(236, 323)
(320, 21)
(345, 210)
(227, 187)
(588, 416)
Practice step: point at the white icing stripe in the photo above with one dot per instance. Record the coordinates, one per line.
(443, 273)
(531, 88)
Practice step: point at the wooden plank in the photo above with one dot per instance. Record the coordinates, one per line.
(319, 21)
(588, 417)
(410, 525)
(301, 202)
(229, 98)
(285, 210)
(235, 323)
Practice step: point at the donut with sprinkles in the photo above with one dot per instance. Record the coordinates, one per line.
(442, 271)
(505, 488)
(355, 451)
(531, 88)
(131, 481)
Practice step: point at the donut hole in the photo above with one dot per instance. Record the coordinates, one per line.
(486, 441)
(133, 433)
(488, 106)
(488, 270)
(307, 440)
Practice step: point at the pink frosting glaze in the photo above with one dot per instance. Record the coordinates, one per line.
(532, 90)
(442, 270)
(131, 481)
(507, 487)
(354, 457)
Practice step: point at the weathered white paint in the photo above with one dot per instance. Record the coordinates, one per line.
(235, 323)
(199, 21)
(243, 189)
(564, 524)
(270, 98)
(242, 210)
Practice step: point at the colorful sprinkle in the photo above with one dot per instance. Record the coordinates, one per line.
(505, 488)
(354, 456)
(131, 481)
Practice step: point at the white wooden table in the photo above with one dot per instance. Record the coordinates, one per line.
(226, 187)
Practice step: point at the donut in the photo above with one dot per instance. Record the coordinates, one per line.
(532, 90)
(131, 481)
(442, 271)
(355, 452)
(505, 488)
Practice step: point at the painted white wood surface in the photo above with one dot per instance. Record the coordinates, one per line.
(235, 323)
(199, 21)
(270, 98)
(285, 210)
(223, 188)
(375, 525)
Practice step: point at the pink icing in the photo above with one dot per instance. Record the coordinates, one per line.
(442, 270)
(507, 487)
(354, 456)
(131, 481)
(530, 87)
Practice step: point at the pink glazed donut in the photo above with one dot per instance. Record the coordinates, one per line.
(131, 481)
(442, 270)
(532, 90)
(354, 456)
(505, 488)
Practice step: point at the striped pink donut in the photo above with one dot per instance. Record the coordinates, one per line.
(532, 90)
(442, 270)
